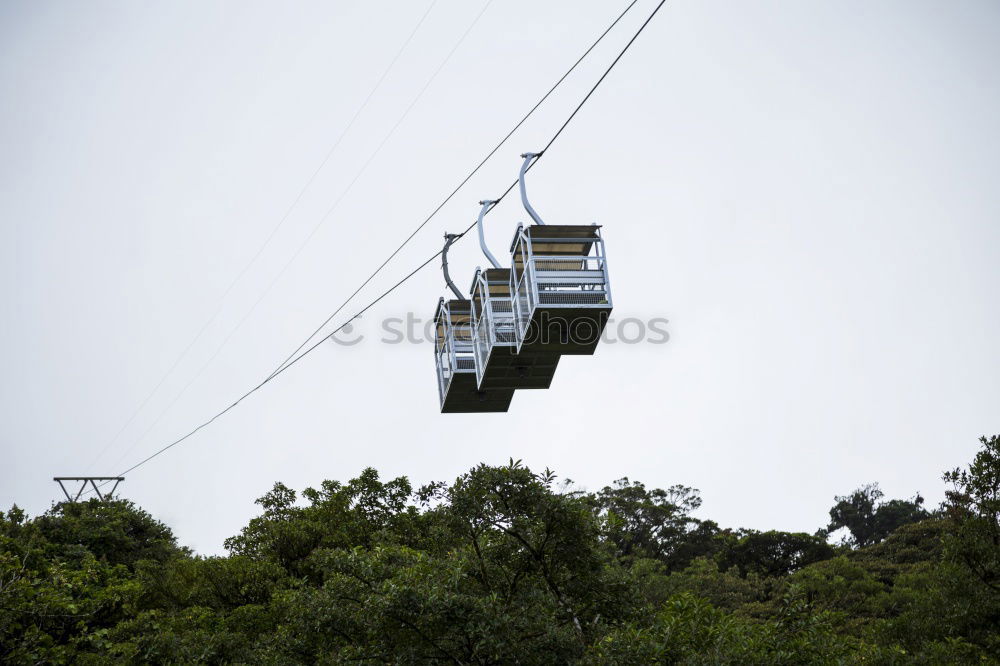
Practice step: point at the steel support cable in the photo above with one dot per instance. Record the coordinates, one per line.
(579, 106)
(264, 245)
(293, 362)
(388, 291)
(460, 185)
(305, 242)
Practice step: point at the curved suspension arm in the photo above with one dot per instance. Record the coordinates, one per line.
(448, 240)
(528, 157)
(486, 205)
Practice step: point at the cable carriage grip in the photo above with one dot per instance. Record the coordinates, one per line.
(528, 159)
(449, 239)
(486, 205)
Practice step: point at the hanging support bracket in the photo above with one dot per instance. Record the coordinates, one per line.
(486, 205)
(448, 240)
(528, 159)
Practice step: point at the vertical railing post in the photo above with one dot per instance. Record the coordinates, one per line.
(529, 265)
(451, 341)
(604, 266)
(488, 310)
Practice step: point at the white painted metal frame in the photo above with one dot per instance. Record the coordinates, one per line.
(492, 322)
(453, 348)
(556, 281)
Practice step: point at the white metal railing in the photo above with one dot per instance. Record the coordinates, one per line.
(453, 347)
(550, 279)
(522, 296)
(481, 339)
(442, 352)
(492, 322)
(524, 304)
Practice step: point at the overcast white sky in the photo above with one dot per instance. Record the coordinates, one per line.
(806, 190)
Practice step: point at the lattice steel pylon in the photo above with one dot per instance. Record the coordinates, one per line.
(84, 480)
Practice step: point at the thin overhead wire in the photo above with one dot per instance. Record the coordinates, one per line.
(261, 249)
(312, 233)
(391, 289)
(293, 362)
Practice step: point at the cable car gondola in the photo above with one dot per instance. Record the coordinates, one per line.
(559, 282)
(498, 365)
(458, 388)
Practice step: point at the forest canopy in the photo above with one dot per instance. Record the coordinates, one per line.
(508, 565)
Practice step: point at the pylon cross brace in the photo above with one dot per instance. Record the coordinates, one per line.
(84, 480)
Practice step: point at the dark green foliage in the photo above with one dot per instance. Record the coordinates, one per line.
(117, 532)
(725, 589)
(688, 630)
(523, 573)
(908, 547)
(973, 504)
(70, 575)
(868, 519)
(360, 513)
(504, 566)
(772, 553)
(654, 523)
